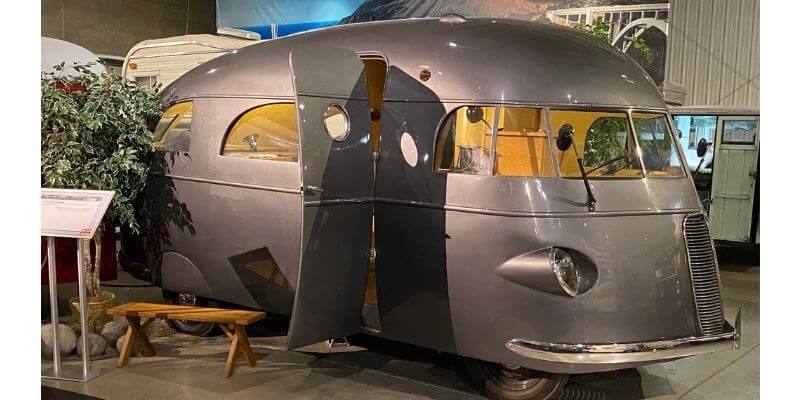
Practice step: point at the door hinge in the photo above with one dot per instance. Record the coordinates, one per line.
(311, 189)
(372, 254)
(375, 156)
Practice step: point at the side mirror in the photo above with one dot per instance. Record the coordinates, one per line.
(564, 139)
(702, 147)
(474, 114)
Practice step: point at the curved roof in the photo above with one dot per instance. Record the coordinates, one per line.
(477, 60)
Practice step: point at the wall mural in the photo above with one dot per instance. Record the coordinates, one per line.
(624, 19)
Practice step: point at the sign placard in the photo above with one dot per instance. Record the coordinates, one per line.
(73, 213)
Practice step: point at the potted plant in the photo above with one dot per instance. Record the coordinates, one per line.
(95, 135)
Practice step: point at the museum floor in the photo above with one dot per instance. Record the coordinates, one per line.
(191, 368)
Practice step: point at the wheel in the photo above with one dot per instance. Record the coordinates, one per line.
(189, 327)
(507, 382)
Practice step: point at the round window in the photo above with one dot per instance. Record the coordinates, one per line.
(337, 124)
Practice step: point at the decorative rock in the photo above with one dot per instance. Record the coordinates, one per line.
(66, 340)
(97, 345)
(111, 351)
(134, 350)
(112, 331)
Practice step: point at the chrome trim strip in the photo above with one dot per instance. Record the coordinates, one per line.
(336, 202)
(623, 353)
(227, 183)
(534, 214)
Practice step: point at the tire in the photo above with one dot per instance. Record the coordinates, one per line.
(189, 327)
(502, 382)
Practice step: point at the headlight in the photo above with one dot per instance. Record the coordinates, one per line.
(564, 267)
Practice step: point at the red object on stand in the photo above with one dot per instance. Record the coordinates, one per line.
(67, 258)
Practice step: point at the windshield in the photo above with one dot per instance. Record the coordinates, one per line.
(659, 152)
(602, 139)
(605, 143)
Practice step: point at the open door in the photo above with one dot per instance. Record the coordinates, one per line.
(734, 180)
(334, 118)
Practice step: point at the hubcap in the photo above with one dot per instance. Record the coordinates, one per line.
(187, 299)
(513, 377)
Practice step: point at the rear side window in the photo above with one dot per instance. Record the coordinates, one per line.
(173, 131)
(267, 132)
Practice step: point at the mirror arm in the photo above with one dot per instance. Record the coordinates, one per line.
(697, 170)
(590, 200)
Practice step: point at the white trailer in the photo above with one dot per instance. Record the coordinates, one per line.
(157, 62)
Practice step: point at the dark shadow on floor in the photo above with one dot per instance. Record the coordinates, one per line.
(49, 393)
(738, 257)
(442, 369)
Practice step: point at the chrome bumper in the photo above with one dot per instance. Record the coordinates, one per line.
(627, 353)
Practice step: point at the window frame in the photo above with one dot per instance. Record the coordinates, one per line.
(235, 120)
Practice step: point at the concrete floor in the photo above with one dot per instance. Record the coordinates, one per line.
(191, 368)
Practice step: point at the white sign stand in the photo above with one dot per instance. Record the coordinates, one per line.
(72, 214)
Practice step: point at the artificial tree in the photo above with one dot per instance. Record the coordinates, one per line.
(95, 135)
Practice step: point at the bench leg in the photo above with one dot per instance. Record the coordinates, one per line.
(245, 344)
(141, 340)
(239, 341)
(232, 355)
(127, 345)
(135, 336)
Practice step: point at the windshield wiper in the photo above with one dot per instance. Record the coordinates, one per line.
(565, 141)
(613, 160)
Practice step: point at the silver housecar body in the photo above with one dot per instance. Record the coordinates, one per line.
(403, 179)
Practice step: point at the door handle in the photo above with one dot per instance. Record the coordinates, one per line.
(753, 174)
(311, 189)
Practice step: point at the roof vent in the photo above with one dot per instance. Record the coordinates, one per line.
(452, 18)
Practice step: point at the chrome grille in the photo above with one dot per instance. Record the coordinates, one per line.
(705, 274)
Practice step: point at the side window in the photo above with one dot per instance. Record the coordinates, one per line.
(739, 132)
(691, 129)
(464, 141)
(267, 132)
(521, 145)
(173, 131)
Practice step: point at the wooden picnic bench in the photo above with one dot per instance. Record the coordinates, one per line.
(232, 322)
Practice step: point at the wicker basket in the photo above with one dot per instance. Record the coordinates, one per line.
(98, 310)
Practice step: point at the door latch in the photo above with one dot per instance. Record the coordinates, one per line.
(311, 189)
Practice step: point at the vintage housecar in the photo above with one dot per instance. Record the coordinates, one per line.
(506, 191)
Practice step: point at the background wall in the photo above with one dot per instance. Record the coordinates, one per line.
(112, 27)
(713, 50)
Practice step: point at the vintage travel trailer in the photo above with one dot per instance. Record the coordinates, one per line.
(156, 62)
(509, 192)
(727, 175)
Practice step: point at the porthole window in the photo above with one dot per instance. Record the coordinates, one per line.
(337, 123)
(268, 132)
(172, 133)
